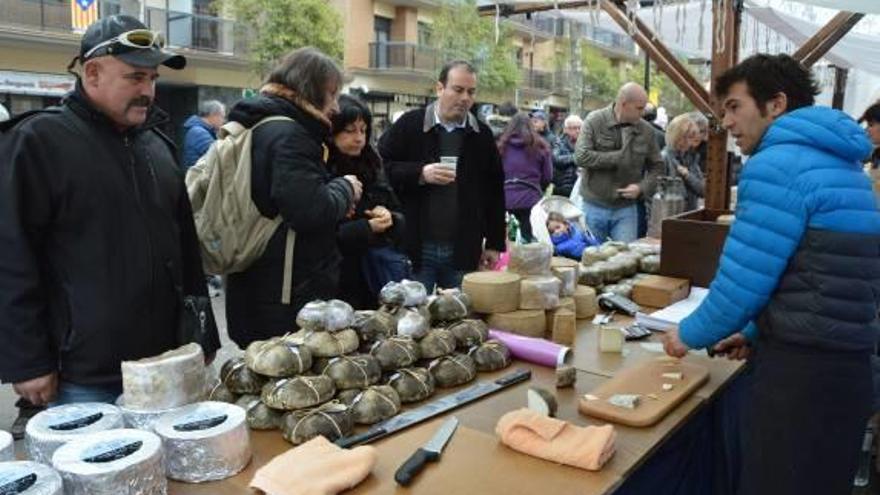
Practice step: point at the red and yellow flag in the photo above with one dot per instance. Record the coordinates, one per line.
(82, 14)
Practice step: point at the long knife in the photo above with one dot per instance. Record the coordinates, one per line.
(430, 452)
(434, 408)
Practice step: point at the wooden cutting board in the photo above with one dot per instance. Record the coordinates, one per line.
(476, 462)
(645, 379)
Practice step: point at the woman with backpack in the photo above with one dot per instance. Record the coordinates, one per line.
(368, 236)
(289, 177)
(528, 169)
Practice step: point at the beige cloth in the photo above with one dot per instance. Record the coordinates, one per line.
(555, 440)
(316, 467)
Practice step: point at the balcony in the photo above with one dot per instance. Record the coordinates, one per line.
(196, 32)
(537, 79)
(403, 56)
(46, 15)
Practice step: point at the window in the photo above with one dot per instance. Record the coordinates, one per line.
(425, 34)
(382, 30)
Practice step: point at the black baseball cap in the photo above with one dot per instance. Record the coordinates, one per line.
(108, 28)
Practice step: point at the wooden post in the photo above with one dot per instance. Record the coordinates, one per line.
(818, 45)
(839, 87)
(726, 14)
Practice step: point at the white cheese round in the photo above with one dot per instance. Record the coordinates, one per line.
(29, 478)
(56, 426)
(115, 462)
(172, 379)
(206, 441)
(7, 447)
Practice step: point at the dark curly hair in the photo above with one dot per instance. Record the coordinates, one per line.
(768, 75)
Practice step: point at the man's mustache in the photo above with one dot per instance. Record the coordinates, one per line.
(140, 101)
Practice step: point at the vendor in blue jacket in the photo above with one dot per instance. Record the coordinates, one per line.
(798, 282)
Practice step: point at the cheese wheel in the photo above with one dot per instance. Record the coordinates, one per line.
(172, 379)
(115, 462)
(207, 441)
(568, 275)
(141, 420)
(528, 322)
(492, 292)
(530, 259)
(52, 428)
(7, 447)
(539, 292)
(561, 262)
(29, 478)
(585, 302)
(564, 327)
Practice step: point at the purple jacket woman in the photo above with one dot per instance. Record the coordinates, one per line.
(528, 169)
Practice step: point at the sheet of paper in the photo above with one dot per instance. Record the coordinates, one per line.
(672, 315)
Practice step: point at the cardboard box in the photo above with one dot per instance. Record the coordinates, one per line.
(656, 291)
(691, 245)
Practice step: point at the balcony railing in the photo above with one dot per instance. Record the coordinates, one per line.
(198, 32)
(394, 55)
(46, 15)
(537, 79)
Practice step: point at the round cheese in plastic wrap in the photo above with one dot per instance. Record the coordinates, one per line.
(52, 428)
(530, 259)
(540, 292)
(141, 420)
(115, 462)
(331, 315)
(568, 275)
(29, 478)
(207, 441)
(7, 447)
(404, 293)
(171, 379)
(413, 324)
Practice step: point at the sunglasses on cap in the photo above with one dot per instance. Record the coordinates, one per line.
(137, 39)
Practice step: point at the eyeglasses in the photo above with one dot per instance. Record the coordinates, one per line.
(138, 38)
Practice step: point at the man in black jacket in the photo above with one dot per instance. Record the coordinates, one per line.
(99, 246)
(445, 168)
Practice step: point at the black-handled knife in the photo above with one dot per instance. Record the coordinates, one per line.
(430, 452)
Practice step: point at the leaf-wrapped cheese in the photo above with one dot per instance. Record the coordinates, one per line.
(490, 356)
(396, 352)
(239, 379)
(450, 305)
(375, 404)
(374, 325)
(278, 357)
(332, 421)
(438, 342)
(300, 392)
(260, 416)
(413, 324)
(358, 371)
(412, 384)
(469, 333)
(329, 344)
(451, 371)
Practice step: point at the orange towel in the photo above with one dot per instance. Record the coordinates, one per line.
(316, 467)
(555, 440)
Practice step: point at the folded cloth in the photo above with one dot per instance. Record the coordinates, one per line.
(555, 440)
(316, 467)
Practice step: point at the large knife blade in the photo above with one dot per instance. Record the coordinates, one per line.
(434, 408)
(430, 452)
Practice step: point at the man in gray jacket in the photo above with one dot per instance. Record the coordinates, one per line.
(620, 161)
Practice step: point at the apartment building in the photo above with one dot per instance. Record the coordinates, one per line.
(38, 38)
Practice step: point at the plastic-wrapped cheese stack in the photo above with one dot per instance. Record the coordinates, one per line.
(116, 462)
(7, 447)
(172, 379)
(29, 478)
(141, 420)
(52, 428)
(205, 442)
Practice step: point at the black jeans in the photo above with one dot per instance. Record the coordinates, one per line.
(805, 417)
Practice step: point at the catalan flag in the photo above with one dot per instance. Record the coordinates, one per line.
(82, 14)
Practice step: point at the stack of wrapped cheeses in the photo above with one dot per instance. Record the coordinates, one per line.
(538, 295)
(615, 266)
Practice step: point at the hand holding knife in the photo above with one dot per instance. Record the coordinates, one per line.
(430, 452)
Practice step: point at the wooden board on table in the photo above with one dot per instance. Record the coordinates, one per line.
(644, 379)
(476, 462)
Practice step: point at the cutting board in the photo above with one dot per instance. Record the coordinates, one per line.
(643, 379)
(476, 462)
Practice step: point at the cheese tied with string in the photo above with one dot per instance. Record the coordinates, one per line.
(299, 392)
(332, 420)
(113, 462)
(375, 404)
(52, 428)
(349, 372)
(396, 352)
(278, 357)
(412, 384)
(29, 478)
(454, 370)
(207, 441)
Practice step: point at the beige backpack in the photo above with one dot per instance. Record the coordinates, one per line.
(232, 232)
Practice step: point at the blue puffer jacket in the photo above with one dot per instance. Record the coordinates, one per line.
(805, 174)
(572, 244)
(196, 141)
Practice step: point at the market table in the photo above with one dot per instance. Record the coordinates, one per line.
(498, 469)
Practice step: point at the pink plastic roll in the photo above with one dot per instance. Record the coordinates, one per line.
(533, 350)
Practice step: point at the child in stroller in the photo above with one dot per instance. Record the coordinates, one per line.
(567, 237)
